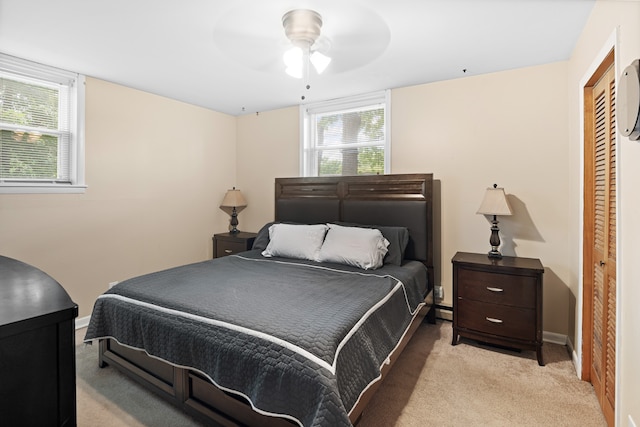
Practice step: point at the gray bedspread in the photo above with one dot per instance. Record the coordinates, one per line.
(298, 339)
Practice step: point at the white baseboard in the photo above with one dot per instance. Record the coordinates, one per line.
(574, 357)
(554, 338)
(82, 322)
(570, 346)
(444, 314)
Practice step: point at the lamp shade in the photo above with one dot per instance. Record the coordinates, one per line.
(494, 202)
(233, 199)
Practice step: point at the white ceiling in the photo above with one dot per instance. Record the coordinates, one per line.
(227, 55)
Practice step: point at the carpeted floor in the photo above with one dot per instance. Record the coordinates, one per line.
(432, 384)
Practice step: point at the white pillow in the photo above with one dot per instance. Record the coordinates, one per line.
(360, 247)
(295, 240)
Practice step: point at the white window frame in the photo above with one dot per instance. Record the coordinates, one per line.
(308, 163)
(76, 159)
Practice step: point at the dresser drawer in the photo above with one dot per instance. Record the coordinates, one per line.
(224, 248)
(501, 320)
(497, 288)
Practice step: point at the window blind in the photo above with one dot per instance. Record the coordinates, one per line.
(346, 137)
(37, 123)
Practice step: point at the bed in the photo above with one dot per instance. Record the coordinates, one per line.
(270, 338)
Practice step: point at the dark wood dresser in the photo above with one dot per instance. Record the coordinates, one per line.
(37, 348)
(231, 243)
(498, 301)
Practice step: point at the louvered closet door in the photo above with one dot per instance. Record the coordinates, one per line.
(603, 256)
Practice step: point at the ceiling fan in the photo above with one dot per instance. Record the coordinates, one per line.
(256, 37)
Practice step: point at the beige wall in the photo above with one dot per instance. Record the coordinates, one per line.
(507, 128)
(268, 148)
(157, 170)
(619, 19)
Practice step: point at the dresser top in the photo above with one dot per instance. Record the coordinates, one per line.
(504, 262)
(27, 293)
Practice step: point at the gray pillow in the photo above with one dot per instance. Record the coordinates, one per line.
(262, 239)
(358, 246)
(296, 240)
(398, 238)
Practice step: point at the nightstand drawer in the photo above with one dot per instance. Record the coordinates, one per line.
(224, 248)
(501, 320)
(497, 288)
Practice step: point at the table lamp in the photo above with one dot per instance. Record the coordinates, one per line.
(494, 203)
(233, 199)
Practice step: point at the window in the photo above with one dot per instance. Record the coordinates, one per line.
(41, 128)
(346, 137)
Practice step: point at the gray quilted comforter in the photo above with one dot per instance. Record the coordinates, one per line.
(298, 339)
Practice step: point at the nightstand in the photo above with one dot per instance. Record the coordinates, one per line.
(231, 243)
(498, 301)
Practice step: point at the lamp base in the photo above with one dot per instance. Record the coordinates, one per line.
(494, 254)
(494, 240)
(234, 222)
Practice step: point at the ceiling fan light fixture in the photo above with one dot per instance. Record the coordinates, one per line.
(320, 61)
(302, 28)
(293, 60)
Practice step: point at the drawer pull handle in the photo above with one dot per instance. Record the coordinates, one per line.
(493, 320)
(227, 251)
(495, 289)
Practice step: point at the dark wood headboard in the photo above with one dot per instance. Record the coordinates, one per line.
(392, 200)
